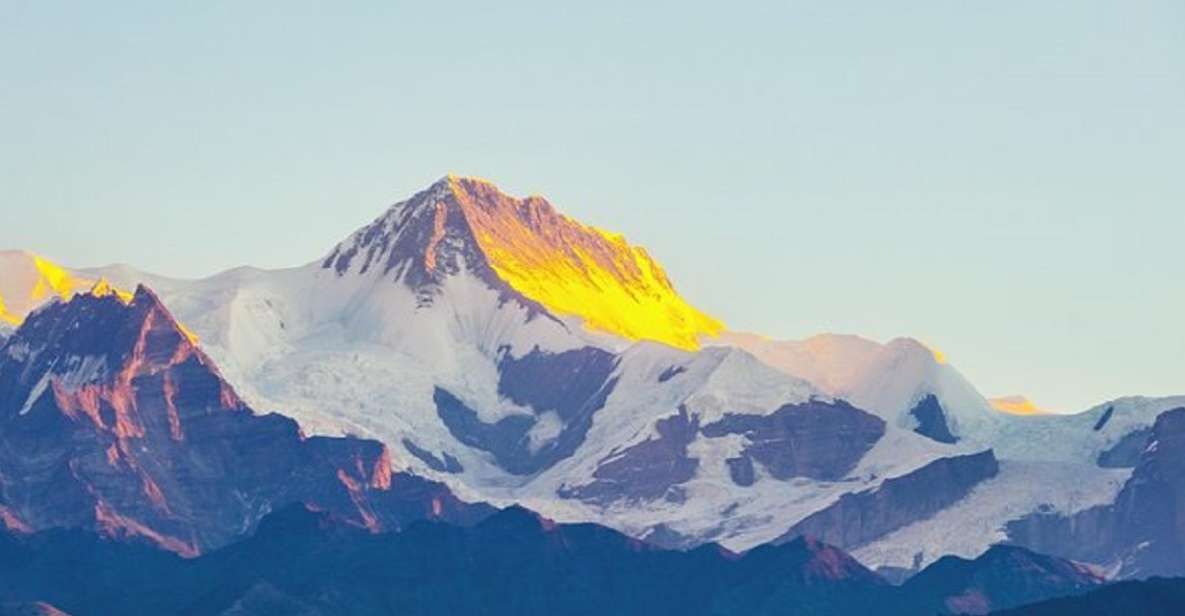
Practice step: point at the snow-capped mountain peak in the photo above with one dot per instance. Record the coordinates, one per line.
(526, 249)
(29, 280)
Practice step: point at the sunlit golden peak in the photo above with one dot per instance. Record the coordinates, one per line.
(103, 288)
(30, 280)
(577, 269)
(1017, 405)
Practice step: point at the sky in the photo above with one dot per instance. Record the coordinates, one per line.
(1004, 181)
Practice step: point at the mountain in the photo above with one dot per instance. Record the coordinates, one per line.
(525, 248)
(1141, 533)
(440, 329)
(112, 419)
(30, 280)
(521, 357)
(514, 562)
(1050, 467)
(301, 561)
(1154, 596)
(904, 381)
(1003, 577)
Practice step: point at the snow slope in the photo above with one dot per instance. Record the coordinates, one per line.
(888, 379)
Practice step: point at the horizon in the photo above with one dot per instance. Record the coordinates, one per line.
(1001, 186)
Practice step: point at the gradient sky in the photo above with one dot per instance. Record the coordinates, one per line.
(1003, 180)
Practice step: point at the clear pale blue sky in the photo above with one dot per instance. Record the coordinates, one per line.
(1004, 180)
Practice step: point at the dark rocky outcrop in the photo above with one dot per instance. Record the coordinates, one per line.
(931, 418)
(112, 419)
(1126, 453)
(648, 470)
(573, 384)
(861, 517)
(670, 373)
(1143, 531)
(741, 470)
(1003, 577)
(815, 439)
(1104, 418)
(448, 464)
(423, 242)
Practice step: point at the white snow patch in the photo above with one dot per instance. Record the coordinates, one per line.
(36, 392)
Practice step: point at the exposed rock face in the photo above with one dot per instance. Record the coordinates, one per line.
(563, 391)
(931, 420)
(112, 419)
(648, 470)
(671, 373)
(1003, 577)
(1143, 532)
(1126, 453)
(443, 464)
(858, 518)
(741, 471)
(815, 439)
(1104, 418)
(528, 250)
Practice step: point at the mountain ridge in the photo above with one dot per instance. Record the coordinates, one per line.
(113, 419)
(526, 246)
(514, 561)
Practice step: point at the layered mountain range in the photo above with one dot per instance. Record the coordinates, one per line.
(513, 562)
(517, 356)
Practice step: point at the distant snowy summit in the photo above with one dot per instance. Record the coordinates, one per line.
(525, 247)
(30, 280)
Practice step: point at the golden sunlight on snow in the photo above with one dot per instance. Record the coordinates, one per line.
(102, 288)
(939, 356)
(576, 269)
(1017, 405)
(31, 280)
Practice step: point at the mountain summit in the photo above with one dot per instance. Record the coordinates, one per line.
(527, 248)
(29, 280)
